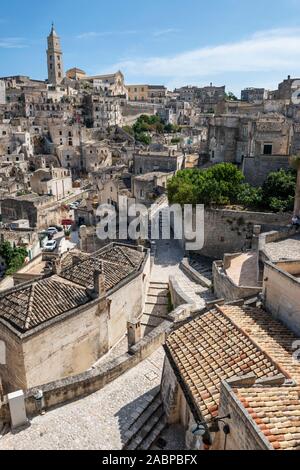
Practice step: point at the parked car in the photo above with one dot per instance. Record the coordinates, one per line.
(52, 231)
(51, 245)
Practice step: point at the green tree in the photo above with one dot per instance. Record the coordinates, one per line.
(14, 257)
(250, 196)
(217, 185)
(144, 138)
(279, 190)
(231, 96)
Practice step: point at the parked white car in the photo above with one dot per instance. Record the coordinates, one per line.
(51, 245)
(52, 231)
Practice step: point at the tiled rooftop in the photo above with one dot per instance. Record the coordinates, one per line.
(27, 307)
(276, 411)
(226, 342)
(115, 262)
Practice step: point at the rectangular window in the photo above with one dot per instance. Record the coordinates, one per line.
(268, 149)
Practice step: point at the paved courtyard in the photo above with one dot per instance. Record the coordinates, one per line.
(96, 422)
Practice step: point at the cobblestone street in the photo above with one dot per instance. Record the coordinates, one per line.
(96, 422)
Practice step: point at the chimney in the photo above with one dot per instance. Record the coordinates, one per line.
(99, 283)
(134, 331)
(76, 260)
(57, 267)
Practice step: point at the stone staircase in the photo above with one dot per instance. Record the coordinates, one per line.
(202, 265)
(149, 423)
(156, 306)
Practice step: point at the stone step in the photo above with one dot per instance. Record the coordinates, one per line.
(164, 285)
(154, 434)
(155, 309)
(146, 430)
(157, 299)
(152, 320)
(143, 425)
(149, 409)
(158, 291)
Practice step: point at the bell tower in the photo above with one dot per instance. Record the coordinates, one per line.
(54, 59)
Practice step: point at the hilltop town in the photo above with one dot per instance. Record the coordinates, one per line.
(148, 344)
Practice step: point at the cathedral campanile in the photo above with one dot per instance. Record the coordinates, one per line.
(54, 59)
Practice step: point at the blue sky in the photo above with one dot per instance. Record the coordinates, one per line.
(173, 42)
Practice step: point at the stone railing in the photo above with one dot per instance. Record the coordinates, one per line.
(195, 275)
(225, 287)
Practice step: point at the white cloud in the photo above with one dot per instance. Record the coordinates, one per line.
(164, 32)
(12, 43)
(264, 51)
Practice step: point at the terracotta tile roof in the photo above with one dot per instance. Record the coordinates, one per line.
(272, 336)
(67, 261)
(276, 411)
(227, 342)
(28, 307)
(116, 262)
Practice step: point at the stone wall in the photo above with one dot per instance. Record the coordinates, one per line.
(6, 283)
(226, 289)
(229, 231)
(195, 275)
(13, 372)
(67, 347)
(282, 293)
(178, 296)
(126, 304)
(256, 169)
(244, 433)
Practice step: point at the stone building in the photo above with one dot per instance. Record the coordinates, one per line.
(206, 98)
(96, 155)
(67, 135)
(288, 88)
(2, 92)
(111, 84)
(102, 111)
(282, 291)
(114, 188)
(162, 161)
(254, 95)
(61, 325)
(55, 182)
(155, 94)
(146, 188)
(75, 74)
(54, 59)
(137, 92)
(260, 143)
(235, 362)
